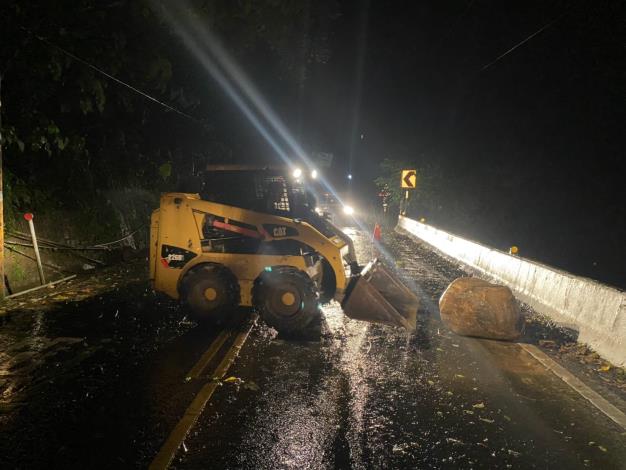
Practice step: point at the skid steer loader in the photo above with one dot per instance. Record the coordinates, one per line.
(251, 237)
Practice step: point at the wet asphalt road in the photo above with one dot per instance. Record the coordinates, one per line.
(101, 383)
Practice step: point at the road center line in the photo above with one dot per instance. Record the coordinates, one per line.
(208, 355)
(575, 383)
(167, 453)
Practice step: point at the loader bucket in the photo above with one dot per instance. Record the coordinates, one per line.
(376, 295)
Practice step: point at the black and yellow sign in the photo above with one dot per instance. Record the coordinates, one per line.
(409, 179)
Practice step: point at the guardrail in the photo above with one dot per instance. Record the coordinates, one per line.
(596, 311)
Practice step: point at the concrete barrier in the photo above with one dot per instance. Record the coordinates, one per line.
(596, 311)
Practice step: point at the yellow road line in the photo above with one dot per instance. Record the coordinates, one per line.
(167, 453)
(216, 345)
(576, 384)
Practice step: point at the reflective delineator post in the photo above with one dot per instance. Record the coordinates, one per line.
(29, 217)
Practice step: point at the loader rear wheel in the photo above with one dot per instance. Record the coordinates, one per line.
(211, 292)
(286, 299)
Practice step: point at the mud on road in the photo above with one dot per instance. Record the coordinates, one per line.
(88, 369)
(96, 375)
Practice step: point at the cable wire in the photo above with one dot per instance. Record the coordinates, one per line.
(113, 78)
(543, 28)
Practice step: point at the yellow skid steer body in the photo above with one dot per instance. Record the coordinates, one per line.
(251, 243)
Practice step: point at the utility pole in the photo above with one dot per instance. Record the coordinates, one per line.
(1, 205)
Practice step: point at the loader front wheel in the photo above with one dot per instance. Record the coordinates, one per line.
(286, 298)
(211, 292)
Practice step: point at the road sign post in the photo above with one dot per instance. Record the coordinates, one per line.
(408, 180)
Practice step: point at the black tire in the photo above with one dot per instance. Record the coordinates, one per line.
(286, 298)
(211, 292)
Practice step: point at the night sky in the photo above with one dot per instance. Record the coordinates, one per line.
(531, 148)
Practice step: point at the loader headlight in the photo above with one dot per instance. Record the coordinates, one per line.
(348, 210)
(297, 173)
(314, 174)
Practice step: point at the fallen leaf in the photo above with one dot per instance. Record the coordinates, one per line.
(230, 379)
(251, 386)
(454, 441)
(605, 368)
(480, 406)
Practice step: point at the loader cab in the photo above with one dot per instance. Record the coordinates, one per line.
(270, 190)
(265, 190)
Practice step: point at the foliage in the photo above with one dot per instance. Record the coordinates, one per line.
(296, 31)
(391, 172)
(430, 193)
(70, 133)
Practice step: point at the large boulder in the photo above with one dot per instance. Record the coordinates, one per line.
(474, 307)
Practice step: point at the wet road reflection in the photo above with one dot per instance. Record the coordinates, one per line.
(370, 396)
(101, 383)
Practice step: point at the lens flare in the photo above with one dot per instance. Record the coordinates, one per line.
(210, 53)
